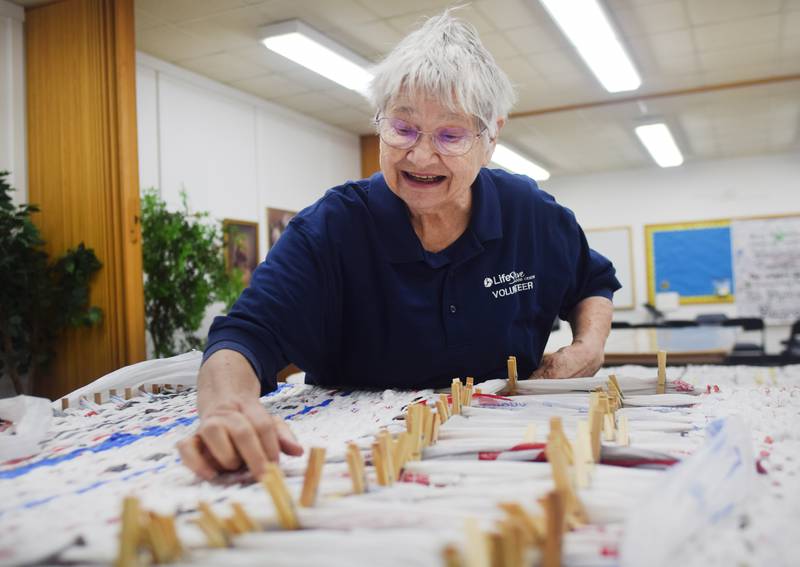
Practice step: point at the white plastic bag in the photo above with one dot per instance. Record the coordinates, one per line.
(30, 418)
(704, 490)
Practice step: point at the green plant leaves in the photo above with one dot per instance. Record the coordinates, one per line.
(184, 265)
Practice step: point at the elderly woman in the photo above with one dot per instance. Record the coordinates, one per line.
(434, 268)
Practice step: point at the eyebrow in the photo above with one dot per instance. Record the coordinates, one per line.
(411, 111)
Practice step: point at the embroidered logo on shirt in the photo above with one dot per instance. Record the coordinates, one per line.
(514, 282)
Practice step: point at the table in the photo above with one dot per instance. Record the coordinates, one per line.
(684, 345)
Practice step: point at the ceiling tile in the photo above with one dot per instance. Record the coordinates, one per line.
(407, 23)
(739, 57)
(310, 102)
(735, 34)
(671, 44)
(237, 28)
(181, 10)
(520, 71)
(651, 18)
(390, 9)
(144, 20)
(223, 67)
(509, 14)
(791, 24)
(372, 40)
(715, 11)
(270, 87)
(260, 55)
(499, 46)
(170, 44)
(535, 39)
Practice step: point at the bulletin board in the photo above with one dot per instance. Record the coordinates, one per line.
(766, 262)
(693, 259)
(616, 244)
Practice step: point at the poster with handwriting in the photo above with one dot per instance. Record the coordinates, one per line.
(766, 259)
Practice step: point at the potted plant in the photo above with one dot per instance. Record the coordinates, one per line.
(185, 272)
(38, 298)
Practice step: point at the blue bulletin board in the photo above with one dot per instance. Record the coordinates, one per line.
(693, 259)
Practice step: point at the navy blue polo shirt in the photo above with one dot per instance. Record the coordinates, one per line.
(349, 295)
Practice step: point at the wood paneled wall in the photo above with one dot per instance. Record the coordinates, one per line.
(83, 172)
(370, 155)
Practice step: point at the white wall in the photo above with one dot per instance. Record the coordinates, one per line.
(12, 98)
(761, 185)
(235, 154)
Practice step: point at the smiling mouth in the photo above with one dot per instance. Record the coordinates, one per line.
(424, 179)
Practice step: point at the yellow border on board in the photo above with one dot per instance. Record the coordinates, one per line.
(630, 261)
(650, 230)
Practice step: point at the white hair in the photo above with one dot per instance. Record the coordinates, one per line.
(445, 59)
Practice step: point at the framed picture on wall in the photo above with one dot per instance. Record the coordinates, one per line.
(277, 221)
(241, 246)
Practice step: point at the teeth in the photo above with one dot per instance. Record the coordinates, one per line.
(424, 177)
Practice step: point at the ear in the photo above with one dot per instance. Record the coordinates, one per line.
(493, 142)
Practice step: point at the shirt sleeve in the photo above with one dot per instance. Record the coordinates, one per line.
(281, 311)
(593, 275)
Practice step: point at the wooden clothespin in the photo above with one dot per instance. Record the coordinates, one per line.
(557, 457)
(275, 484)
(455, 394)
(661, 387)
(244, 523)
(509, 545)
(441, 408)
(595, 425)
(623, 436)
(128, 393)
(213, 526)
(557, 431)
(583, 454)
(401, 452)
(379, 466)
(467, 397)
(435, 429)
(608, 427)
(477, 549)
(316, 459)
(112, 392)
(554, 511)
(451, 557)
(417, 431)
(64, 403)
(470, 382)
(130, 533)
(615, 384)
(512, 375)
(158, 539)
(155, 388)
(530, 433)
(387, 455)
(427, 427)
(98, 398)
(355, 463)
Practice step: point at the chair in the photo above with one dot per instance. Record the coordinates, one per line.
(711, 319)
(747, 324)
(792, 344)
(677, 324)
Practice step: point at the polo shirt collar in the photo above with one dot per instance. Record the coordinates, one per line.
(402, 244)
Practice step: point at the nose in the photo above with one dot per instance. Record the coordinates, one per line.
(423, 152)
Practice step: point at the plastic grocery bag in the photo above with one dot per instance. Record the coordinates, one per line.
(30, 418)
(702, 491)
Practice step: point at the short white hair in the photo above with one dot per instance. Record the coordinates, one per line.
(446, 59)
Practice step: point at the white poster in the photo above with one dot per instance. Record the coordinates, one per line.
(766, 267)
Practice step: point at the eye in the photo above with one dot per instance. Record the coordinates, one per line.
(452, 135)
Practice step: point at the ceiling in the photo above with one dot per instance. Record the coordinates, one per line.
(676, 44)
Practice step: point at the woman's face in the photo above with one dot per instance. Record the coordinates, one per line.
(427, 181)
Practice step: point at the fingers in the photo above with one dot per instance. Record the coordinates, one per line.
(244, 434)
(192, 457)
(287, 440)
(215, 435)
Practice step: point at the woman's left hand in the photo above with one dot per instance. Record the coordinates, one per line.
(576, 360)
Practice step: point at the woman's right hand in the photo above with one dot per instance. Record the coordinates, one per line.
(235, 429)
(236, 433)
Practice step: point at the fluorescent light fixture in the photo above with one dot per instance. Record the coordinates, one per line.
(306, 46)
(585, 24)
(512, 161)
(660, 144)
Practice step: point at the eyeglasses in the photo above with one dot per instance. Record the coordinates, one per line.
(448, 140)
